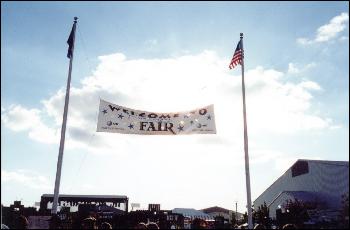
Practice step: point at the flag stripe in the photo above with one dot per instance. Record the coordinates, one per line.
(237, 56)
(234, 59)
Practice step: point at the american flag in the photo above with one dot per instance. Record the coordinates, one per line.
(237, 56)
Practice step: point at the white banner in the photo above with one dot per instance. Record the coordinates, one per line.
(118, 119)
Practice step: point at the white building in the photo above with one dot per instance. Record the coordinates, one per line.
(227, 214)
(308, 180)
(192, 213)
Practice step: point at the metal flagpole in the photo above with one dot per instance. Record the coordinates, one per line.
(63, 130)
(247, 175)
(236, 214)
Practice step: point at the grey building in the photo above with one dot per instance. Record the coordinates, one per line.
(227, 214)
(318, 181)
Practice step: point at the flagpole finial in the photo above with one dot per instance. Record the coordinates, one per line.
(75, 19)
(241, 34)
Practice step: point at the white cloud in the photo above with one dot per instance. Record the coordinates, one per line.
(328, 31)
(310, 65)
(336, 127)
(304, 41)
(263, 156)
(25, 178)
(274, 106)
(292, 69)
(299, 70)
(169, 85)
(344, 38)
(18, 118)
(310, 85)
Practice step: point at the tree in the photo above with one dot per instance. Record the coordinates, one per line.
(261, 216)
(296, 211)
(234, 218)
(245, 217)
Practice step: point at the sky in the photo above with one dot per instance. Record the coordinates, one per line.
(170, 57)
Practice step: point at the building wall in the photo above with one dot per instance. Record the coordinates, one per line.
(323, 176)
(274, 205)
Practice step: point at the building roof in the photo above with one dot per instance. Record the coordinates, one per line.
(87, 196)
(339, 163)
(192, 213)
(215, 209)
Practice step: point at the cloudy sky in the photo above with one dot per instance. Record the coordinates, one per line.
(169, 57)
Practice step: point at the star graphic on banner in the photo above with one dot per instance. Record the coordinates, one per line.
(104, 111)
(180, 128)
(120, 116)
(131, 126)
(209, 117)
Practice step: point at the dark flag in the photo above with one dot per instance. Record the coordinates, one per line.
(70, 42)
(237, 56)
